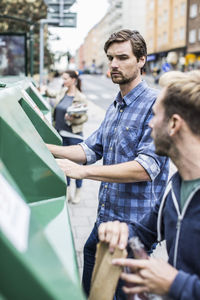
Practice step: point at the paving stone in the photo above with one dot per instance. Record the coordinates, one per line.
(81, 221)
(83, 211)
(82, 232)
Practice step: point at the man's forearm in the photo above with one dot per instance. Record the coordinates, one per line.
(125, 172)
(74, 153)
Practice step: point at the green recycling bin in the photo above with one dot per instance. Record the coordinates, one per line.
(37, 255)
(37, 109)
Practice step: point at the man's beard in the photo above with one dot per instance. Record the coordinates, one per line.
(163, 145)
(123, 80)
(164, 149)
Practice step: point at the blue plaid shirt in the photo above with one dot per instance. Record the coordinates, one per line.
(124, 135)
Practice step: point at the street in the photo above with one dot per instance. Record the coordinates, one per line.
(99, 89)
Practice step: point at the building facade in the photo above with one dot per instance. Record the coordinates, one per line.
(171, 29)
(193, 35)
(166, 23)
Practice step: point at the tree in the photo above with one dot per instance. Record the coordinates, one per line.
(30, 11)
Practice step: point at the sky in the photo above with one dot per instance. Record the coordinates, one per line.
(89, 13)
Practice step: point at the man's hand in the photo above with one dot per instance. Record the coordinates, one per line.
(50, 147)
(151, 275)
(114, 233)
(71, 169)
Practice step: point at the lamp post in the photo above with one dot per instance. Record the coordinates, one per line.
(31, 49)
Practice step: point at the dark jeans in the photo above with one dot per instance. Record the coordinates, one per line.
(89, 261)
(69, 141)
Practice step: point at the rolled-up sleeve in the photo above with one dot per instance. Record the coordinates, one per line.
(90, 154)
(149, 164)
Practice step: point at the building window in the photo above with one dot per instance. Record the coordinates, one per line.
(182, 33)
(165, 38)
(158, 40)
(182, 11)
(199, 34)
(159, 20)
(151, 23)
(151, 5)
(165, 16)
(118, 4)
(176, 12)
(150, 43)
(175, 36)
(192, 36)
(193, 10)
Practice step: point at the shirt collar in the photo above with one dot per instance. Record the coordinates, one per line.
(132, 95)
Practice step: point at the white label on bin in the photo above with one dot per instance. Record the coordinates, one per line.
(14, 216)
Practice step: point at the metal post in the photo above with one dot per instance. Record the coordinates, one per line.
(31, 50)
(41, 51)
(61, 12)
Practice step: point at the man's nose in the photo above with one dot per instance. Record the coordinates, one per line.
(151, 123)
(114, 63)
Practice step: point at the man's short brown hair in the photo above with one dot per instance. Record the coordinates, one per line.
(137, 41)
(182, 97)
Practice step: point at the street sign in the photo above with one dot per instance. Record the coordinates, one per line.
(58, 5)
(58, 13)
(68, 20)
(55, 8)
(68, 2)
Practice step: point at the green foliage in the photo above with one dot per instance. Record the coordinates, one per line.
(30, 11)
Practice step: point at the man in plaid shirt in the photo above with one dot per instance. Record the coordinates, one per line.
(133, 176)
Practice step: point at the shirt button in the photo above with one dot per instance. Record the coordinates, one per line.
(102, 205)
(106, 186)
(127, 128)
(110, 148)
(115, 128)
(121, 110)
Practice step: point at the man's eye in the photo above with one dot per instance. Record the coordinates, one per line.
(110, 58)
(123, 58)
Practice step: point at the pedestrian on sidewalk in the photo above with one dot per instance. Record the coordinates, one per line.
(69, 115)
(133, 176)
(175, 218)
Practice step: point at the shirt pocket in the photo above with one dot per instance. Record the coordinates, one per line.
(126, 142)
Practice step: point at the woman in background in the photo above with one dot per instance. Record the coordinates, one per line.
(69, 116)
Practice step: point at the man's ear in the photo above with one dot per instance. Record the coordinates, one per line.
(142, 61)
(174, 124)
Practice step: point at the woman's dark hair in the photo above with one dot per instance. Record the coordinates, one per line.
(75, 74)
